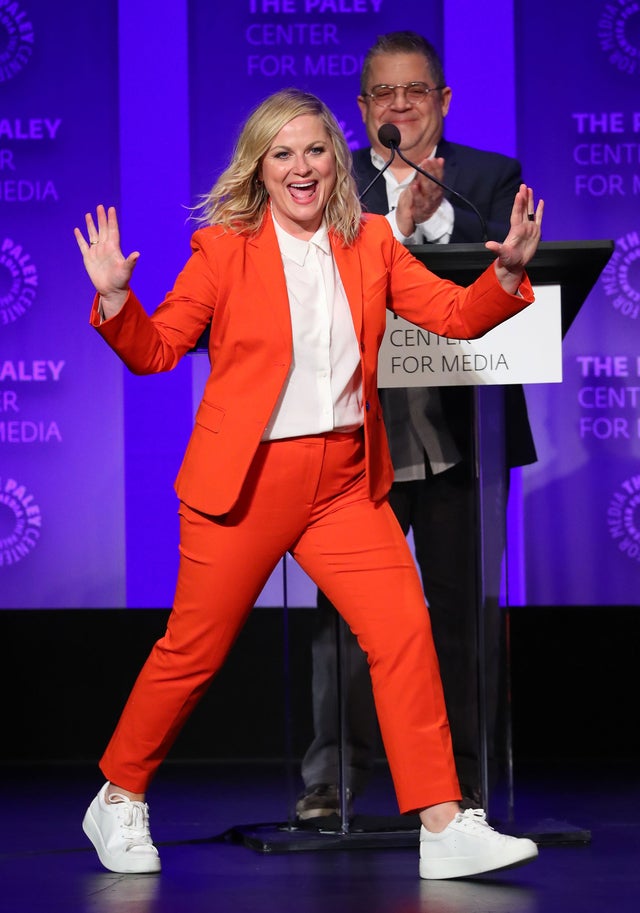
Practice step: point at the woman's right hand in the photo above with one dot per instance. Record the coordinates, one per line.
(108, 269)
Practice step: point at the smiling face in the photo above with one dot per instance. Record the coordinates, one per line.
(299, 173)
(420, 124)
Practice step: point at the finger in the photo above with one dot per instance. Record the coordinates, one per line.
(103, 225)
(531, 215)
(535, 214)
(112, 223)
(82, 244)
(519, 210)
(92, 231)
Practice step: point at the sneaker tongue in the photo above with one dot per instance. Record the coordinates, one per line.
(473, 818)
(474, 813)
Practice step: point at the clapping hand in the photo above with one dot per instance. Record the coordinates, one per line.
(421, 199)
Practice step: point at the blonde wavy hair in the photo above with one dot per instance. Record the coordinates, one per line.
(238, 200)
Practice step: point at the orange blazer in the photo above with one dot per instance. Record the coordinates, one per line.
(237, 284)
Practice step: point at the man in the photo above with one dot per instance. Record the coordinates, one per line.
(429, 429)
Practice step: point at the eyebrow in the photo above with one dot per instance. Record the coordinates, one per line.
(315, 142)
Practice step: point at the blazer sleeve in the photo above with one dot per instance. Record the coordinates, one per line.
(446, 308)
(149, 344)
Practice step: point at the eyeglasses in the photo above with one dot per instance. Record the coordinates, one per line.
(415, 92)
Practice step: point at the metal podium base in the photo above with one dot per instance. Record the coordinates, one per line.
(547, 832)
(364, 832)
(374, 832)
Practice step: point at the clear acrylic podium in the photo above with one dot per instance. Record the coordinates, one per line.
(573, 267)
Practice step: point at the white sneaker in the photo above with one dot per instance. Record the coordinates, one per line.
(119, 831)
(469, 846)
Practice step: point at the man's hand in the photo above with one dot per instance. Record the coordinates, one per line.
(422, 198)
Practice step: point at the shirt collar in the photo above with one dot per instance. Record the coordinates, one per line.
(297, 249)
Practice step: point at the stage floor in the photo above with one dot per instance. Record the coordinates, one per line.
(201, 812)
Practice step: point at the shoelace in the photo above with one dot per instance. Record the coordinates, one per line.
(472, 818)
(134, 819)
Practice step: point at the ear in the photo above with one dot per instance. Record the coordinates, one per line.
(445, 100)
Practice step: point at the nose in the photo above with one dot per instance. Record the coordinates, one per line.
(400, 98)
(301, 165)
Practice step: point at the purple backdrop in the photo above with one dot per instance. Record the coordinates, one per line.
(580, 147)
(61, 441)
(93, 112)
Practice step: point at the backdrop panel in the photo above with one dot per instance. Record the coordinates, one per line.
(61, 441)
(580, 147)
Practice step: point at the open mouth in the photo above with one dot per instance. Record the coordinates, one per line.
(303, 191)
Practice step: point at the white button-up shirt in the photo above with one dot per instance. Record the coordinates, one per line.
(323, 391)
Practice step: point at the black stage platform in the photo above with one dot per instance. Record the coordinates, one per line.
(197, 809)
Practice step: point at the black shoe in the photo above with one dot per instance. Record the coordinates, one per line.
(471, 797)
(321, 801)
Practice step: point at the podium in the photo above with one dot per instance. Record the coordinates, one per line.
(574, 267)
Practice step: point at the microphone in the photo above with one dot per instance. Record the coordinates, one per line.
(389, 136)
(386, 164)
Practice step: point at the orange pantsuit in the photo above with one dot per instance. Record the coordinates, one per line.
(244, 502)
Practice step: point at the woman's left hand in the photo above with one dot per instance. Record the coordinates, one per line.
(521, 243)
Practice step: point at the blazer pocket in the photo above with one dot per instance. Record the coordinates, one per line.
(210, 417)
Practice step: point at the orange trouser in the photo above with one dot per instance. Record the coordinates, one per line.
(308, 496)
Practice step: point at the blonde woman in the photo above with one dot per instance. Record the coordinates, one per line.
(289, 454)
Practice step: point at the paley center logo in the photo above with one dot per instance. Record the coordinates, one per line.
(621, 276)
(623, 518)
(16, 39)
(619, 35)
(18, 280)
(20, 522)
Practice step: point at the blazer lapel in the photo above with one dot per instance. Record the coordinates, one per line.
(265, 255)
(349, 266)
(451, 169)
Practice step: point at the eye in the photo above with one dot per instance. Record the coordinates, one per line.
(317, 150)
(281, 154)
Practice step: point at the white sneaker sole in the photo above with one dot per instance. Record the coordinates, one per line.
(464, 867)
(131, 863)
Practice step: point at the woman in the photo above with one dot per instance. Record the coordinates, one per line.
(289, 453)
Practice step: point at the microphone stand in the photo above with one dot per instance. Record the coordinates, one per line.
(381, 172)
(395, 148)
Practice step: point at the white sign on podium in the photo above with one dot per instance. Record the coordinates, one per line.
(525, 349)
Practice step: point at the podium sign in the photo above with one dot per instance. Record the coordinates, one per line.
(526, 348)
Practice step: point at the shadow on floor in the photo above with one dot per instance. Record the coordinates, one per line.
(47, 863)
